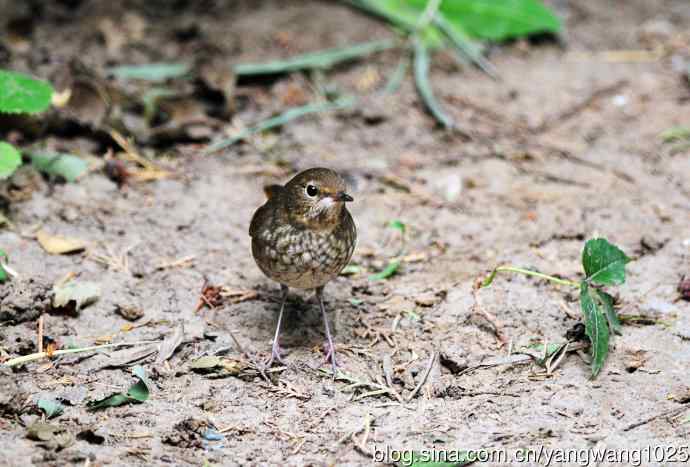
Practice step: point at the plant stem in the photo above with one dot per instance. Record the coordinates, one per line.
(538, 274)
(40, 355)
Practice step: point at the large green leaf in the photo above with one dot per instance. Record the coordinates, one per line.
(596, 326)
(497, 19)
(10, 159)
(403, 15)
(603, 262)
(20, 93)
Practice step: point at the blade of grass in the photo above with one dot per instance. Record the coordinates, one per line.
(527, 272)
(421, 76)
(321, 60)
(464, 46)
(428, 14)
(282, 119)
(387, 272)
(40, 355)
(398, 75)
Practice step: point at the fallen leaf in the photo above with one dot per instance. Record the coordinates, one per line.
(170, 344)
(130, 313)
(217, 366)
(50, 436)
(137, 393)
(82, 293)
(59, 245)
(67, 166)
(127, 357)
(206, 363)
(50, 407)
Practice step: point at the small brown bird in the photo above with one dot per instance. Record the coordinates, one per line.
(302, 237)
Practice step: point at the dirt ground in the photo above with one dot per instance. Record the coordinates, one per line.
(566, 147)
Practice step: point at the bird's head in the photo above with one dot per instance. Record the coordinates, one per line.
(315, 198)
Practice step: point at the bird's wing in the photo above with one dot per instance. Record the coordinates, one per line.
(261, 217)
(272, 191)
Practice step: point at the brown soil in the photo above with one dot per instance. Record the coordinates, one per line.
(564, 148)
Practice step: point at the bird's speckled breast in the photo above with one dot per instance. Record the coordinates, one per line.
(303, 258)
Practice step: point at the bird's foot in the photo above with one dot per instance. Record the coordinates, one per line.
(330, 357)
(275, 355)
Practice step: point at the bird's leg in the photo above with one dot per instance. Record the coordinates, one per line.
(330, 353)
(275, 349)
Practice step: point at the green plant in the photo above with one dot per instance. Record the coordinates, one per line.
(4, 274)
(461, 25)
(430, 24)
(137, 393)
(19, 93)
(22, 94)
(603, 264)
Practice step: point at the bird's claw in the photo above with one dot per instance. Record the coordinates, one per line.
(275, 356)
(330, 357)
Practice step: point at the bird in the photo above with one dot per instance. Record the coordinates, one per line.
(302, 237)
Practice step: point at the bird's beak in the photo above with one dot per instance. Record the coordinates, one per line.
(343, 197)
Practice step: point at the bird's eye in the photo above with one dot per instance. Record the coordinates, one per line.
(312, 191)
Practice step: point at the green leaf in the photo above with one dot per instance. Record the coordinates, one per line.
(389, 270)
(603, 262)
(605, 301)
(320, 60)
(3, 273)
(20, 93)
(483, 19)
(140, 391)
(596, 327)
(498, 20)
(51, 407)
(66, 166)
(465, 48)
(450, 458)
(489, 279)
(402, 15)
(677, 133)
(541, 355)
(397, 225)
(351, 269)
(82, 293)
(10, 159)
(421, 76)
(150, 72)
(137, 393)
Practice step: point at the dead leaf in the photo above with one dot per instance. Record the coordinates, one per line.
(170, 344)
(428, 299)
(127, 357)
(50, 436)
(130, 313)
(59, 245)
(81, 293)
